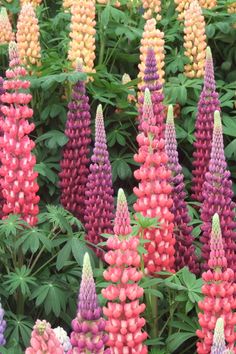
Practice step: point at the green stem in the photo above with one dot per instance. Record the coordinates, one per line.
(154, 303)
(44, 265)
(20, 297)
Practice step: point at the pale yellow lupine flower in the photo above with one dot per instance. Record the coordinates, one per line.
(6, 33)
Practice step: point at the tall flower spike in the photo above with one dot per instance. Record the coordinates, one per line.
(208, 4)
(207, 105)
(194, 40)
(75, 160)
(27, 36)
(218, 346)
(6, 33)
(82, 44)
(184, 248)
(18, 180)
(217, 198)
(123, 309)
(219, 292)
(152, 9)
(88, 334)
(154, 193)
(99, 204)
(2, 91)
(151, 38)
(2, 326)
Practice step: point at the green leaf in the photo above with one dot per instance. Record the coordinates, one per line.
(64, 255)
(174, 341)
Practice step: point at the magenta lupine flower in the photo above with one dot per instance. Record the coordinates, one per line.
(88, 334)
(2, 326)
(217, 198)
(184, 248)
(99, 204)
(151, 80)
(218, 346)
(207, 105)
(124, 323)
(2, 91)
(75, 160)
(18, 180)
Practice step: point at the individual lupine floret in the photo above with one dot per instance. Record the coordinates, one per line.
(43, 340)
(151, 38)
(3, 325)
(219, 290)
(154, 193)
(207, 4)
(218, 346)
(207, 105)
(124, 323)
(18, 180)
(63, 338)
(152, 9)
(99, 203)
(217, 197)
(75, 158)
(88, 335)
(194, 40)
(184, 248)
(82, 44)
(6, 33)
(27, 36)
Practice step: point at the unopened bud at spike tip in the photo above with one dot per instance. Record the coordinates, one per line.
(121, 196)
(217, 120)
(216, 225)
(208, 53)
(147, 97)
(170, 115)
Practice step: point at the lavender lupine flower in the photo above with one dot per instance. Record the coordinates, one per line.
(88, 334)
(207, 105)
(218, 346)
(184, 248)
(2, 326)
(217, 198)
(99, 204)
(75, 160)
(151, 80)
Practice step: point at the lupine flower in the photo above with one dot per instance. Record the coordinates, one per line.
(82, 44)
(18, 180)
(207, 4)
(75, 160)
(99, 204)
(151, 81)
(63, 338)
(194, 40)
(182, 6)
(123, 309)
(232, 8)
(125, 80)
(67, 4)
(2, 326)
(154, 193)
(33, 2)
(219, 292)
(153, 9)
(43, 340)
(218, 346)
(88, 334)
(6, 33)
(151, 38)
(217, 197)
(207, 105)
(184, 248)
(28, 36)
(113, 2)
(2, 91)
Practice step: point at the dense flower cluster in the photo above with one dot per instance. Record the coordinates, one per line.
(88, 334)
(123, 310)
(154, 193)
(207, 4)
(18, 180)
(99, 204)
(184, 248)
(194, 40)
(217, 197)
(152, 9)
(219, 292)
(182, 6)
(218, 346)
(43, 340)
(82, 44)
(6, 33)
(75, 160)
(207, 105)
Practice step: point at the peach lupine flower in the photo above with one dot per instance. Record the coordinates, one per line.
(232, 8)
(112, 2)
(6, 33)
(67, 4)
(181, 7)
(207, 4)
(33, 2)
(152, 7)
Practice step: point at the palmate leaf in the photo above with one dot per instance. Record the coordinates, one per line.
(11, 225)
(61, 218)
(18, 329)
(19, 280)
(33, 239)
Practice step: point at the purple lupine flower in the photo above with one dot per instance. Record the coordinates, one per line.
(151, 80)
(88, 327)
(2, 326)
(99, 203)
(75, 160)
(184, 248)
(217, 198)
(207, 105)
(218, 346)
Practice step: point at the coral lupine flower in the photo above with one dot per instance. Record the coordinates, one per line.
(154, 193)
(207, 105)
(27, 36)
(99, 204)
(218, 346)
(182, 6)
(18, 181)
(88, 334)
(184, 248)
(208, 4)
(2, 326)
(75, 160)
(194, 40)
(153, 8)
(63, 338)
(6, 33)
(219, 292)
(43, 340)
(82, 44)
(218, 194)
(151, 38)
(123, 309)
